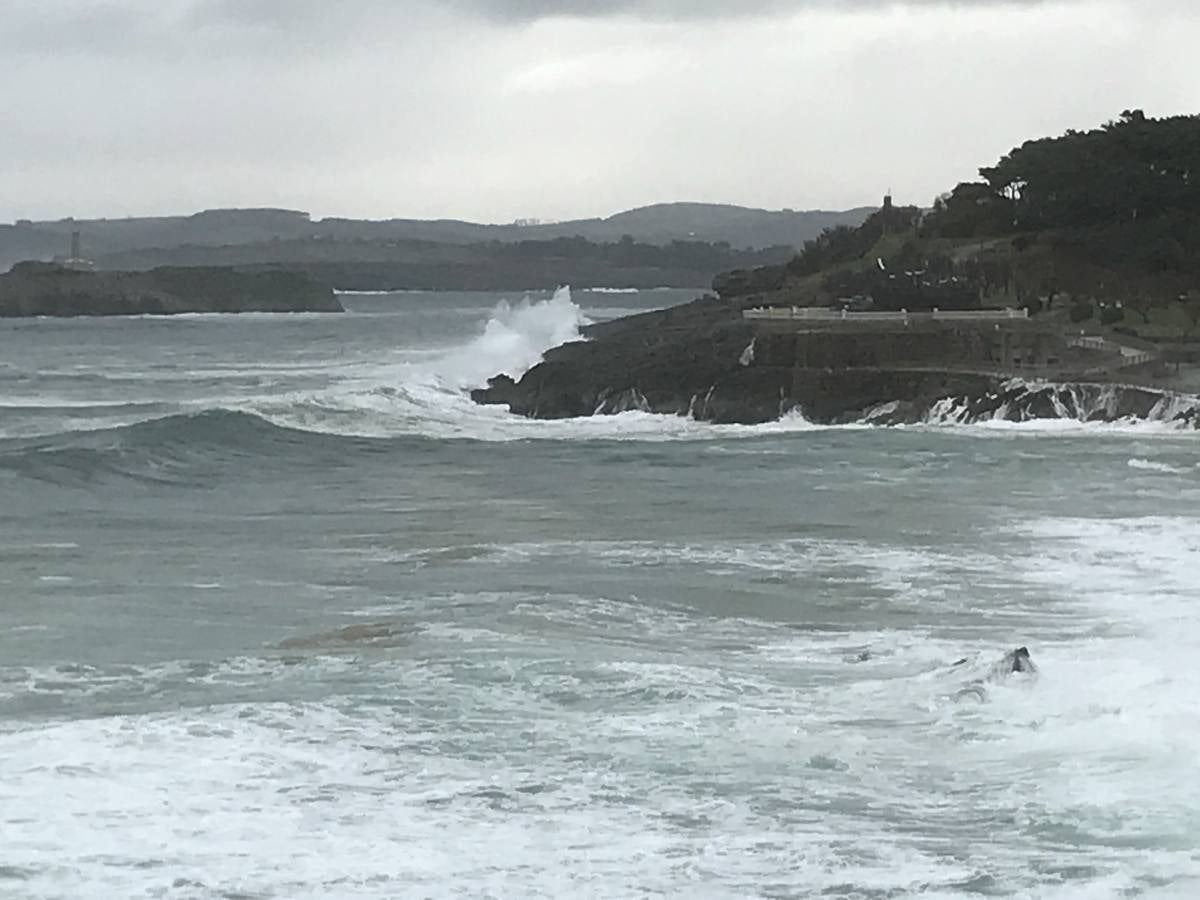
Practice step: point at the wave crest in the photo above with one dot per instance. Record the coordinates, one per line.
(423, 395)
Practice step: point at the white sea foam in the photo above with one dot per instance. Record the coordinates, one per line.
(1151, 465)
(514, 339)
(429, 397)
(421, 390)
(652, 750)
(1057, 427)
(311, 800)
(1114, 711)
(727, 711)
(1077, 408)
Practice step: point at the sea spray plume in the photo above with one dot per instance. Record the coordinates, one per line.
(514, 340)
(429, 397)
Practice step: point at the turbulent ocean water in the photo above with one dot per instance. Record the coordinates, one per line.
(284, 615)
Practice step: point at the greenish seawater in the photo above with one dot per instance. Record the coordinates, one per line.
(283, 614)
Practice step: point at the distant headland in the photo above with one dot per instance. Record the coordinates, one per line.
(667, 245)
(70, 289)
(1072, 267)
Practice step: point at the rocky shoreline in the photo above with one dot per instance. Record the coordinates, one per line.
(45, 289)
(704, 360)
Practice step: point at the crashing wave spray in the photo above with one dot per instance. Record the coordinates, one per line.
(514, 340)
(428, 397)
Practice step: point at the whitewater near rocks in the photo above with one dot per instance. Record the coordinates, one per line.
(285, 614)
(348, 382)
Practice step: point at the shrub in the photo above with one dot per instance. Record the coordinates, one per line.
(1082, 312)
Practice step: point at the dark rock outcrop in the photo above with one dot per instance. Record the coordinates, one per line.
(45, 289)
(679, 361)
(703, 360)
(1014, 663)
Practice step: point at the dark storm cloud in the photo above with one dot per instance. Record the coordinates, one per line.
(163, 27)
(135, 26)
(497, 109)
(59, 25)
(527, 10)
(185, 28)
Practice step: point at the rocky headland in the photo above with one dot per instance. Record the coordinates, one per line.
(46, 289)
(1018, 297)
(706, 361)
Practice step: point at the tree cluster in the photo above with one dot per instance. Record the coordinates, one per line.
(1133, 169)
(629, 253)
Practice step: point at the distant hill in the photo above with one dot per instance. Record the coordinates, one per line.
(740, 227)
(492, 265)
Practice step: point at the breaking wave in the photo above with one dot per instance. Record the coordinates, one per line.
(422, 394)
(513, 340)
(1152, 465)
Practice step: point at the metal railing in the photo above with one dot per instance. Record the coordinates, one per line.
(1137, 359)
(1089, 342)
(1130, 356)
(821, 314)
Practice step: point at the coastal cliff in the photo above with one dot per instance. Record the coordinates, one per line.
(45, 289)
(706, 361)
(1004, 301)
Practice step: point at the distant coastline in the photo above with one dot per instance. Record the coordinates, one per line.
(675, 245)
(47, 289)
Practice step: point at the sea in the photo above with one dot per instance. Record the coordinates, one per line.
(283, 614)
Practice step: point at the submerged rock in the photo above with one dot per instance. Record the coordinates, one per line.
(1016, 662)
(372, 634)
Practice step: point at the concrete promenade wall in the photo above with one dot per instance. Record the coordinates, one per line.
(959, 340)
(820, 314)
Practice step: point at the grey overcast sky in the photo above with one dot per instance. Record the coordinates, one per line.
(497, 109)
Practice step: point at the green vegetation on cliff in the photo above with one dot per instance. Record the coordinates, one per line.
(1107, 221)
(1134, 169)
